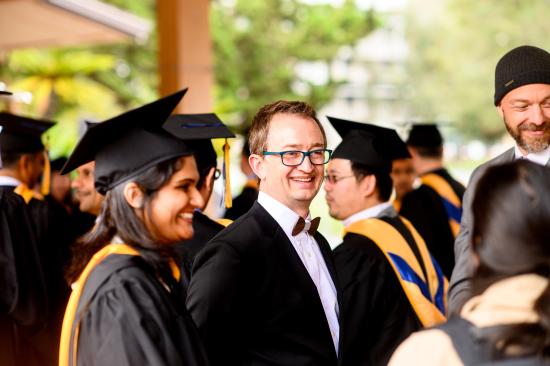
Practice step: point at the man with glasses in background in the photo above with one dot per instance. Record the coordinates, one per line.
(390, 285)
(263, 290)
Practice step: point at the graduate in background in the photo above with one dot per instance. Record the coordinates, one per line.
(403, 176)
(391, 287)
(434, 208)
(197, 130)
(25, 164)
(22, 287)
(127, 306)
(244, 201)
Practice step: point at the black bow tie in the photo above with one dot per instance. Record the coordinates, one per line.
(301, 223)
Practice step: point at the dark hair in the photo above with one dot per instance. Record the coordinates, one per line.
(429, 152)
(511, 211)
(257, 138)
(118, 218)
(384, 183)
(10, 159)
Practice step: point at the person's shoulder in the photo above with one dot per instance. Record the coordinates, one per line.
(358, 245)
(427, 347)
(505, 157)
(248, 229)
(119, 271)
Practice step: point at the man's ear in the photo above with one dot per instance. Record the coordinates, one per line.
(257, 164)
(368, 185)
(500, 111)
(25, 168)
(133, 195)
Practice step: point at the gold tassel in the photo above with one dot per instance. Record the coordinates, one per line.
(226, 161)
(46, 175)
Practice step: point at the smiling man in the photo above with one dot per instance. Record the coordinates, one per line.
(263, 290)
(522, 98)
(89, 200)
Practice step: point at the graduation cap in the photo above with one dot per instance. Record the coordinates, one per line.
(126, 145)
(21, 134)
(5, 92)
(368, 144)
(425, 135)
(197, 130)
(57, 164)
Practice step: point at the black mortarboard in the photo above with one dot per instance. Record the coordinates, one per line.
(425, 135)
(387, 141)
(57, 164)
(128, 144)
(21, 134)
(197, 130)
(5, 92)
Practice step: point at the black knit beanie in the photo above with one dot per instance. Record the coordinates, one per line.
(521, 66)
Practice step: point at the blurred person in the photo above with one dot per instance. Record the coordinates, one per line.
(403, 176)
(25, 166)
(522, 98)
(60, 189)
(507, 320)
(197, 130)
(390, 285)
(127, 305)
(263, 290)
(434, 208)
(244, 201)
(88, 198)
(22, 287)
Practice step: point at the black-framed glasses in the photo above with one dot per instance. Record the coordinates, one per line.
(296, 157)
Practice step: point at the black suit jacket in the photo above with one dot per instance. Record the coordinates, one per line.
(254, 301)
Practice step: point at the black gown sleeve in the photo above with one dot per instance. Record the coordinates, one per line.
(22, 291)
(377, 313)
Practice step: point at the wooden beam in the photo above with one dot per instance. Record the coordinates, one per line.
(185, 52)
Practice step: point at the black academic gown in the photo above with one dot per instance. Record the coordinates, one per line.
(424, 209)
(22, 289)
(242, 203)
(254, 301)
(204, 229)
(54, 239)
(377, 315)
(130, 318)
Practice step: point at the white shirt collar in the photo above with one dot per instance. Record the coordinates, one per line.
(284, 216)
(367, 213)
(9, 181)
(540, 158)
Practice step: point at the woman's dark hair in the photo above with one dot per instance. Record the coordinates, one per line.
(511, 236)
(384, 183)
(118, 218)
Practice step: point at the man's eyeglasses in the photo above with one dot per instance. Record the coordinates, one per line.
(295, 157)
(333, 179)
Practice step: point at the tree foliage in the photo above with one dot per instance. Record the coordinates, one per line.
(455, 45)
(257, 45)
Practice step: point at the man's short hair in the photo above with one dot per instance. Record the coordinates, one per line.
(259, 130)
(10, 159)
(429, 152)
(384, 183)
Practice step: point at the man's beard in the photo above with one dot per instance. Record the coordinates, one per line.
(531, 145)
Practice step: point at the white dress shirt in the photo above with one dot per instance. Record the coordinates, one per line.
(308, 250)
(540, 158)
(9, 181)
(367, 213)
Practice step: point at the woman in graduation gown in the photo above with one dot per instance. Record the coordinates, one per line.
(127, 306)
